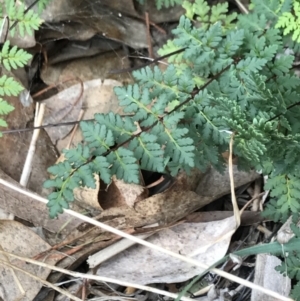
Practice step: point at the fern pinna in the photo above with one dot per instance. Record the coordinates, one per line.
(23, 20)
(233, 75)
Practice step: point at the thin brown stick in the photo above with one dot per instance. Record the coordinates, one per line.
(160, 29)
(155, 183)
(74, 129)
(54, 86)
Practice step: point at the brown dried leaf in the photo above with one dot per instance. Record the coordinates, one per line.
(131, 193)
(206, 242)
(33, 211)
(88, 197)
(97, 97)
(62, 107)
(20, 240)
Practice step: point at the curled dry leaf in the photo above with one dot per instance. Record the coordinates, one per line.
(131, 193)
(120, 194)
(88, 197)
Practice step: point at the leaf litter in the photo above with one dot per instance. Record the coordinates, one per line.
(132, 206)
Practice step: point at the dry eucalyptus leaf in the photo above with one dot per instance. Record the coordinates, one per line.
(267, 277)
(62, 107)
(206, 242)
(35, 212)
(20, 240)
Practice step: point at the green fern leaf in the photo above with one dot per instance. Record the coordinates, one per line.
(282, 65)
(186, 35)
(53, 183)
(134, 101)
(9, 87)
(178, 147)
(101, 165)
(124, 165)
(28, 21)
(166, 3)
(61, 170)
(42, 4)
(78, 155)
(86, 176)
(56, 204)
(122, 127)
(291, 266)
(169, 48)
(231, 44)
(286, 191)
(98, 136)
(200, 8)
(184, 151)
(148, 151)
(5, 107)
(247, 66)
(3, 123)
(218, 12)
(295, 293)
(14, 58)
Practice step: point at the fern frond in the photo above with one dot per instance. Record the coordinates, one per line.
(28, 21)
(290, 266)
(169, 48)
(124, 165)
(290, 22)
(208, 15)
(98, 136)
(287, 193)
(42, 5)
(9, 87)
(163, 3)
(123, 128)
(14, 57)
(166, 3)
(147, 150)
(101, 166)
(233, 75)
(295, 293)
(5, 107)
